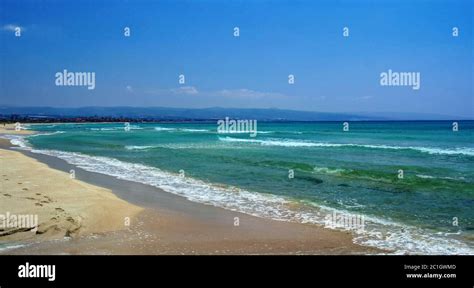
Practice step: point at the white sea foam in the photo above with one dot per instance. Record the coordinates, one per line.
(164, 129)
(291, 143)
(178, 146)
(425, 176)
(21, 142)
(46, 134)
(328, 170)
(462, 150)
(17, 140)
(134, 147)
(286, 143)
(121, 128)
(105, 129)
(167, 129)
(193, 130)
(422, 176)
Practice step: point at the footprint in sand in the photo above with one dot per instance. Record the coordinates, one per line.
(38, 194)
(30, 198)
(7, 195)
(38, 204)
(25, 189)
(43, 229)
(59, 209)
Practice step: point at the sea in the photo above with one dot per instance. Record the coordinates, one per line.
(412, 182)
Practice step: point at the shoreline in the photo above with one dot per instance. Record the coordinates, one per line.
(62, 207)
(171, 224)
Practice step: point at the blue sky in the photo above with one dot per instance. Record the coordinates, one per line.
(277, 38)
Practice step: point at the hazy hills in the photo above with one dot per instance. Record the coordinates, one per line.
(162, 113)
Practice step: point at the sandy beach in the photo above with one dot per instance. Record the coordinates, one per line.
(99, 214)
(65, 207)
(10, 129)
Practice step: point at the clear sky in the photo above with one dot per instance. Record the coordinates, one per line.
(277, 38)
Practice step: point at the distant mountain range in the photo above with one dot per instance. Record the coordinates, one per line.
(162, 113)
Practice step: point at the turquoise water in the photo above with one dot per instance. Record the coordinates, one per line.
(353, 172)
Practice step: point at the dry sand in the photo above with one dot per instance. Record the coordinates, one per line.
(65, 206)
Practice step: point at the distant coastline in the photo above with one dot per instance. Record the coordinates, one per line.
(175, 115)
(86, 120)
